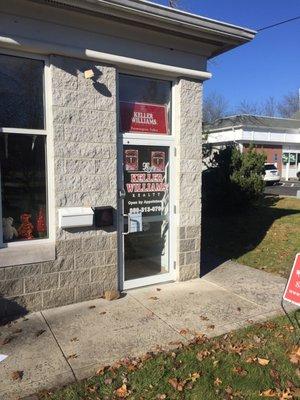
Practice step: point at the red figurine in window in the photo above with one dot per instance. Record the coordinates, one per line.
(41, 226)
(26, 228)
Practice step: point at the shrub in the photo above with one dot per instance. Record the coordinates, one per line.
(234, 180)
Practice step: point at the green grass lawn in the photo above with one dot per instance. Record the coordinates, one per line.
(266, 237)
(253, 363)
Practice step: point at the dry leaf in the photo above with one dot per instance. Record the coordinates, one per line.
(239, 309)
(295, 355)
(72, 356)
(268, 393)
(122, 391)
(153, 298)
(159, 289)
(240, 371)
(101, 371)
(108, 381)
(184, 332)
(40, 332)
(262, 361)
(17, 375)
(90, 307)
(161, 396)
(102, 312)
(217, 382)
(173, 382)
(7, 340)
(74, 339)
(203, 354)
(212, 327)
(203, 318)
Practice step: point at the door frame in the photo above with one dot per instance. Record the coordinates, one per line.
(149, 140)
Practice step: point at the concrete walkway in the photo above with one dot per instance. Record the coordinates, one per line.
(55, 347)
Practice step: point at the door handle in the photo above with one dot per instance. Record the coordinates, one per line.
(128, 222)
(122, 193)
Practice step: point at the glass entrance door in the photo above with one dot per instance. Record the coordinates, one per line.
(146, 213)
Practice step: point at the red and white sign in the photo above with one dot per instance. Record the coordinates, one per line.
(143, 117)
(292, 290)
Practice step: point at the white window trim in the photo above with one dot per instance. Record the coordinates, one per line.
(40, 249)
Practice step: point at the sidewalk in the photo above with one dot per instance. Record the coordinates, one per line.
(55, 347)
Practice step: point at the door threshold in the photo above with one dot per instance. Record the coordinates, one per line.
(149, 281)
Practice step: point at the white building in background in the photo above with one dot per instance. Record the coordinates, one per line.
(278, 138)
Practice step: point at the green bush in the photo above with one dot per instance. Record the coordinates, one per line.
(233, 181)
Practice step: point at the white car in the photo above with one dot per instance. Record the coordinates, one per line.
(272, 175)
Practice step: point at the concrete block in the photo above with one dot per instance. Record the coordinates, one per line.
(111, 257)
(193, 231)
(11, 287)
(88, 291)
(73, 278)
(189, 272)
(58, 297)
(186, 245)
(192, 257)
(2, 274)
(41, 282)
(21, 271)
(61, 264)
(85, 260)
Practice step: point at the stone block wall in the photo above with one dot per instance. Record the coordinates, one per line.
(85, 174)
(189, 170)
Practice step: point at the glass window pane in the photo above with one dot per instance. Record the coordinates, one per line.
(145, 105)
(23, 187)
(21, 92)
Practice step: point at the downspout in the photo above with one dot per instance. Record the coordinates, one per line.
(46, 48)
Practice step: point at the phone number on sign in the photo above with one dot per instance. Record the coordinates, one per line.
(145, 209)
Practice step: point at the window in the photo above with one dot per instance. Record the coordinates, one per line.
(23, 197)
(145, 105)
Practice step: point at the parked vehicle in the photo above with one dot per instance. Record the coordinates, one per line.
(272, 175)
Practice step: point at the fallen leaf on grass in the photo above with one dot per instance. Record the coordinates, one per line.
(268, 393)
(153, 298)
(101, 371)
(122, 391)
(263, 361)
(176, 384)
(201, 355)
(295, 355)
(161, 397)
(240, 371)
(217, 382)
(40, 332)
(287, 394)
(17, 375)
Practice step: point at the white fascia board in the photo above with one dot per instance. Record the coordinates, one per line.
(252, 136)
(229, 136)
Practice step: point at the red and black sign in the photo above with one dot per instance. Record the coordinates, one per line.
(143, 117)
(145, 180)
(292, 290)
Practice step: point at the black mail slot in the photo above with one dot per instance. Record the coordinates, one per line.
(103, 216)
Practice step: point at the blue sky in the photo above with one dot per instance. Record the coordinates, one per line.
(268, 66)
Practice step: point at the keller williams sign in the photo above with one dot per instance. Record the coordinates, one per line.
(292, 290)
(143, 117)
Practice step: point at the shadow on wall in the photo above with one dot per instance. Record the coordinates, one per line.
(229, 236)
(10, 310)
(73, 68)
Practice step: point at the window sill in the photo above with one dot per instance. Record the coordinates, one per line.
(27, 254)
